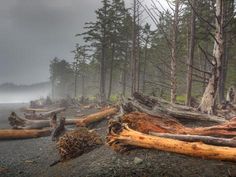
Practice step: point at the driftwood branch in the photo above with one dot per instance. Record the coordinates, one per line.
(198, 138)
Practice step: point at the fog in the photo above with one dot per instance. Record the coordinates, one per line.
(19, 97)
(11, 93)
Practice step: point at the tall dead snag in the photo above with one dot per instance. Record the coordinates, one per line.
(174, 53)
(191, 56)
(121, 136)
(208, 101)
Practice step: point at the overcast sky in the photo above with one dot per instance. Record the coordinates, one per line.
(33, 32)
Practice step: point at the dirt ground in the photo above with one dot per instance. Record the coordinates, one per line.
(32, 157)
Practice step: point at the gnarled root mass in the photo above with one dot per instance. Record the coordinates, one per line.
(121, 135)
(76, 142)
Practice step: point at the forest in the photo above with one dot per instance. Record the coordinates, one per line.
(185, 54)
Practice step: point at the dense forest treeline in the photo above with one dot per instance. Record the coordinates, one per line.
(188, 51)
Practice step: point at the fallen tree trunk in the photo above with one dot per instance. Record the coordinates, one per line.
(121, 136)
(146, 123)
(197, 138)
(155, 107)
(96, 117)
(23, 134)
(42, 116)
(22, 123)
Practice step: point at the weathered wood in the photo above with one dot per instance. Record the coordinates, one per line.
(23, 134)
(146, 123)
(96, 117)
(122, 136)
(197, 138)
(22, 123)
(155, 107)
(43, 115)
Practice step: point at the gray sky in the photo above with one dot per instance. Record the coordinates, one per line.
(33, 32)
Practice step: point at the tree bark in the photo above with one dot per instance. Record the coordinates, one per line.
(119, 136)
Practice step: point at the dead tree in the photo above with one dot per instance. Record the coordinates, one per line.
(208, 101)
(174, 52)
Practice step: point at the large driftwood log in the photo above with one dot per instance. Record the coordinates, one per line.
(23, 134)
(22, 123)
(162, 108)
(121, 136)
(146, 123)
(197, 138)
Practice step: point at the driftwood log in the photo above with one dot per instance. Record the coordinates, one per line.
(23, 134)
(197, 138)
(121, 135)
(146, 123)
(85, 121)
(161, 108)
(23, 123)
(42, 115)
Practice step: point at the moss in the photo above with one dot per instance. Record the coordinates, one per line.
(181, 99)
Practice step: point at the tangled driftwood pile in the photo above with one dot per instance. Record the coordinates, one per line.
(153, 123)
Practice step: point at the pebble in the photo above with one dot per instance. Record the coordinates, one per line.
(137, 160)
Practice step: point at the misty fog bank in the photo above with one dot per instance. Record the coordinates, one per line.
(11, 93)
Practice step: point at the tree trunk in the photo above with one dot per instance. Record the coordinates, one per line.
(191, 56)
(208, 101)
(119, 136)
(133, 63)
(145, 65)
(197, 138)
(83, 78)
(174, 53)
(111, 71)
